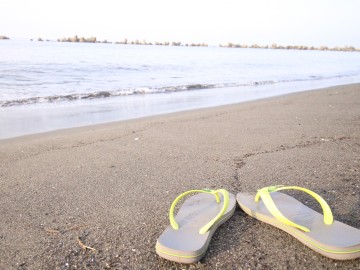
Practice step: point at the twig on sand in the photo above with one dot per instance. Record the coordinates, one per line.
(83, 246)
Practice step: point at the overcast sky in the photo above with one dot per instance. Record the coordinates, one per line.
(285, 22)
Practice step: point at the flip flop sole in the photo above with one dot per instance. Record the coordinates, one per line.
(187, 245)
(337, 241)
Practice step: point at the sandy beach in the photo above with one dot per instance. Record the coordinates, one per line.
(109, 187)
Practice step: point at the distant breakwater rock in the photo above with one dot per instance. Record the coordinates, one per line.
(163, 43)
(274, 46)
(4, 37)
(81, 39)
(290, 47)
(131, 42)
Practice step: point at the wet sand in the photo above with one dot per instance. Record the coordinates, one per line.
(110, 186)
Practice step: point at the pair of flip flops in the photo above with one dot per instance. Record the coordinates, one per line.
(188, 236)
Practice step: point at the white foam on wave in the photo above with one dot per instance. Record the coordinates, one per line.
(145, 91)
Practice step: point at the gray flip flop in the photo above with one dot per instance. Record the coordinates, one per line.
(330, 238)
(189, 235)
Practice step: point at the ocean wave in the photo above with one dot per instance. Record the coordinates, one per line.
(102, 94)
(137, 91)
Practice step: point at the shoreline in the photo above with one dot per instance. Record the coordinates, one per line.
(111, 184)
(23, 120)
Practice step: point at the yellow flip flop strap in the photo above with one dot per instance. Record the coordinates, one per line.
(207, 226)
(264, 194)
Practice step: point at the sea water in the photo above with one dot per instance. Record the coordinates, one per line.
(50, 85)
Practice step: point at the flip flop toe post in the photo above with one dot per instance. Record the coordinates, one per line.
(188, 236)
(319, 232)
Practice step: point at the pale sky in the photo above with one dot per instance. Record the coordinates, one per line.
(285, 22)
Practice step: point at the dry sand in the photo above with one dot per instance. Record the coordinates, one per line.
(109, 187)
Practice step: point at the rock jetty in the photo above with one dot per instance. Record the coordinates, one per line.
(131, 42)
(77, 39)
(290, 47)
(227, 45)
(163, 43)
